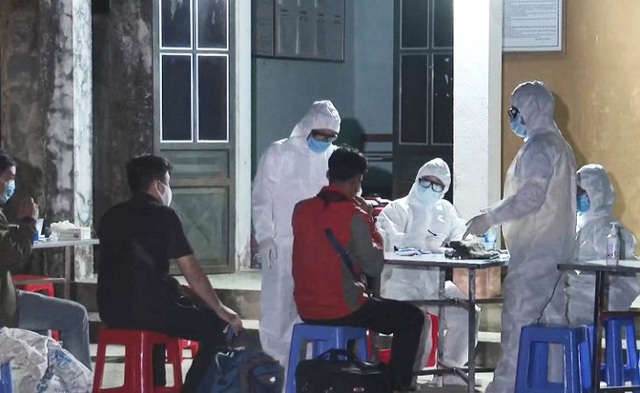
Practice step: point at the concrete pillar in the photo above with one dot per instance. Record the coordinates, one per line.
(243, 134)
(477, 109)
(46, 107)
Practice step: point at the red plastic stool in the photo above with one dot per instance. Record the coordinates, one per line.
(384, 355)
(46, 288)
(138, 361)
(188, 344)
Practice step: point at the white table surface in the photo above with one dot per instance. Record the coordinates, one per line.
(43, 243)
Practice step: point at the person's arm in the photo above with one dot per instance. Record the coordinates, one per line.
(365, 247)
(16, 243)
(538, 163)
(200, 284)
(179, 249)
(629, 243)
(262, 195)
(390, 223)
(458, 226)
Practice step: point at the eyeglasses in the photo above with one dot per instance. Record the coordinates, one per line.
(513, 112)
(426, 183)
(322, 137)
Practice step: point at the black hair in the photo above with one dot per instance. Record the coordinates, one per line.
(346, 163)
(6, 161)
(142, 170)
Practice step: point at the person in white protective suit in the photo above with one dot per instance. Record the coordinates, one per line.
(538, 217)
(595, 200)
(423, 219)
(290, 170)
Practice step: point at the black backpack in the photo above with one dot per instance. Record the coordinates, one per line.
(240, 370)
(338, 370)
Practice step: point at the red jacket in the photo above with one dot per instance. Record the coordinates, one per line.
(324, 288)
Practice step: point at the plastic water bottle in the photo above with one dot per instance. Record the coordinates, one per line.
(613, 246)
(490, 240)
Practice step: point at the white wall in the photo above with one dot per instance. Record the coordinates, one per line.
(476, 109)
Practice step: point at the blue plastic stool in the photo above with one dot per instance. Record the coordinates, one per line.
(618, 369)
(6, 385)
(531, 375)
(323, 338)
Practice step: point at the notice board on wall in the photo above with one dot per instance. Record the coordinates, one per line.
(532, 25)
(299, 29)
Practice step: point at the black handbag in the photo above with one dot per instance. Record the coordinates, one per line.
(338, 370)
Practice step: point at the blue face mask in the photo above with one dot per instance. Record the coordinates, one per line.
(518, 127)
(318, 146)
(9, 189)
(583, 203)
(428, 196)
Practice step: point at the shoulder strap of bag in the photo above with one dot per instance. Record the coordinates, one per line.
(344, 255)
(331, 197)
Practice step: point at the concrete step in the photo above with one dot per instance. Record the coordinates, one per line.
(240, 291)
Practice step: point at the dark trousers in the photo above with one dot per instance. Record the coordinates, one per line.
(401, 319)
(192, 323)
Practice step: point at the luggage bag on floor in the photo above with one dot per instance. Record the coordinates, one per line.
(338, 370)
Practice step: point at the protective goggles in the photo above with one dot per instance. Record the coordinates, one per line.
(426, 183)
(322, 137)
(513, 112)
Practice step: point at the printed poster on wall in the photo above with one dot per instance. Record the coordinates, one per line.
(532, 25)
(309, 29)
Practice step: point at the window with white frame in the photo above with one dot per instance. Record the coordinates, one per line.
(194, 71)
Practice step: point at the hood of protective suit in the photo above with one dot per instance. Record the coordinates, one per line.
(322, 114)
(595, 181)
(436, 167)
(536, 105)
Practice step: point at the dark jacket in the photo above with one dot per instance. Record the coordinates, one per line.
(16, 243)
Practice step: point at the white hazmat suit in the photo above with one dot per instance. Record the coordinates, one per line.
(593, 228)
(414, 222)
(538, 214)
(288, 172)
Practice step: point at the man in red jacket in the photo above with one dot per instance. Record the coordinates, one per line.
(329, 292)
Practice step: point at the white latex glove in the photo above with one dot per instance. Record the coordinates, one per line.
(268, 251)
(478, 225)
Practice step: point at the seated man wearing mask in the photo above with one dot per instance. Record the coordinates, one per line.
(424, 220)
(595, 200)
(325, 290)
(139, 239)
(33, 311)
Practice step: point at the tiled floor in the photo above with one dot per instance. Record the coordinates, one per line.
(114, 370)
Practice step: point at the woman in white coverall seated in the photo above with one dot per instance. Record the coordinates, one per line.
(595, 200)
(422, 219)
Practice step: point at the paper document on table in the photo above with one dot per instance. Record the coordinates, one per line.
(409, 251)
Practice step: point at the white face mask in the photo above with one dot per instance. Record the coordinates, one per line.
(167, 195)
